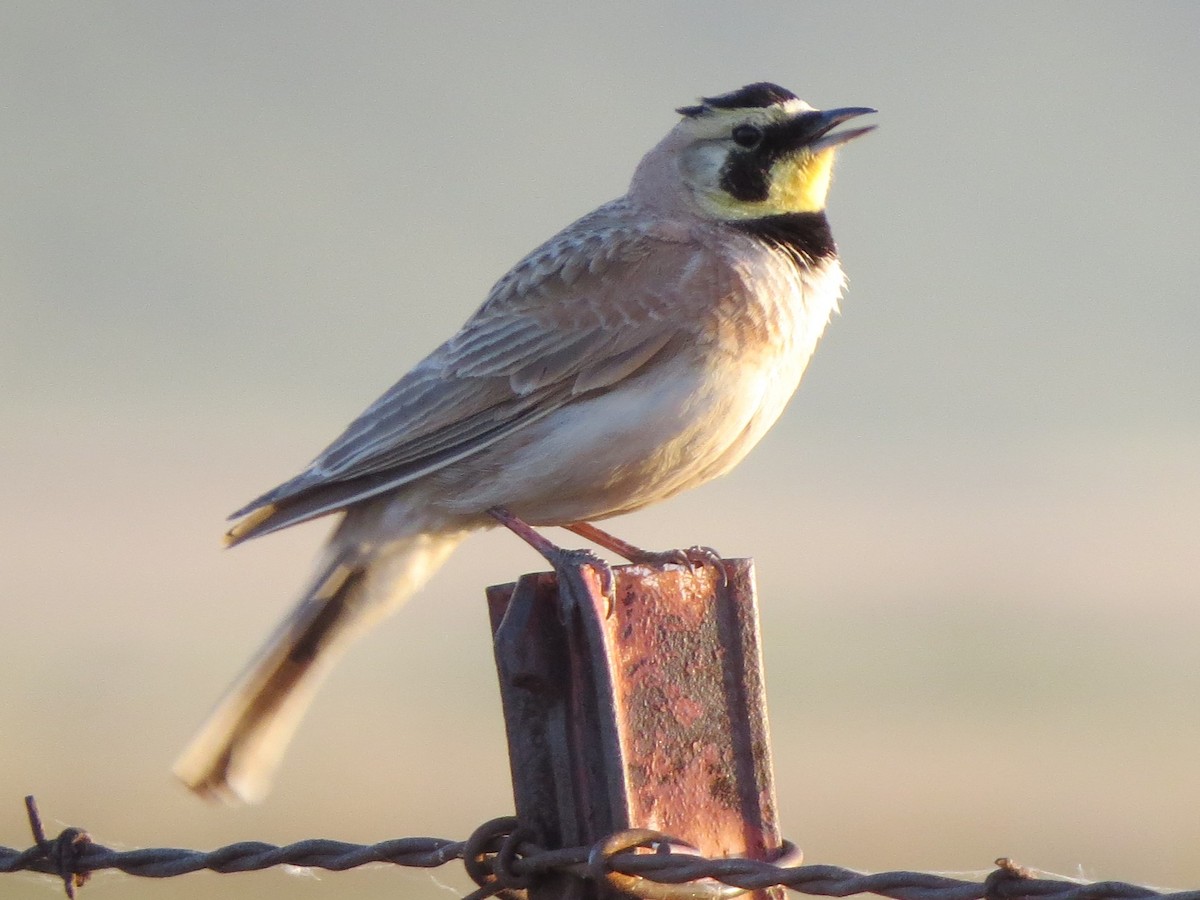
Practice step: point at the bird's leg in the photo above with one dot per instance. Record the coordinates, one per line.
(555, 555)
(691, 557)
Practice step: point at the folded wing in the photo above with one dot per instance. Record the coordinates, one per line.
(551, 331)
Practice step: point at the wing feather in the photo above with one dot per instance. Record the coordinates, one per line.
(576, 316)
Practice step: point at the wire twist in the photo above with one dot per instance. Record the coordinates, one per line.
(503, 859)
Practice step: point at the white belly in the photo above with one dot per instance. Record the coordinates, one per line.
(675, 425)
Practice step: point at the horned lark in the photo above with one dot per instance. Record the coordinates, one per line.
(640, 352)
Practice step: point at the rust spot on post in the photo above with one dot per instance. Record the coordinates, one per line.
(651, 715)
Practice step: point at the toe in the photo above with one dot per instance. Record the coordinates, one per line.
(707, 556)
(604, 572)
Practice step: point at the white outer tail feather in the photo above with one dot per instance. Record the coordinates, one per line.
(238, 749)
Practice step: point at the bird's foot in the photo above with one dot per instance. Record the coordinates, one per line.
(692, 558)
(559, 557)
(565, 558)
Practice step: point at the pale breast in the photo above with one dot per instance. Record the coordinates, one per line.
(689, 415)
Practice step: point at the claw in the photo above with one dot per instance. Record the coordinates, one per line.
(693, 558)
(565, 558)
(666, 558)
(560, 557)
(707, 556)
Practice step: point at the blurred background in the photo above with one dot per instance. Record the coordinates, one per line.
(225, 228)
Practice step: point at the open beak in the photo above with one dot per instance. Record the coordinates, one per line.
(818, 125)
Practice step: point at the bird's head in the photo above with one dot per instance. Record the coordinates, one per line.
(754, 152)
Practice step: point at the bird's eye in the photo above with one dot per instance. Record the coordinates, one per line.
(747, 136)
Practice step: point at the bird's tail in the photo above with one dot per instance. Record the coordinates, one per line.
(239, 747)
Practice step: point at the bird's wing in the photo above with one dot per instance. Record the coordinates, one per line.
(576, 316)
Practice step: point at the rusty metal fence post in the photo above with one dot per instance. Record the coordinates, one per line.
(649, 714)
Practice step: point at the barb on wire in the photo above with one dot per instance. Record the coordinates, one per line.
(502, 859)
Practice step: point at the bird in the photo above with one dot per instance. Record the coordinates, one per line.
(640, 352)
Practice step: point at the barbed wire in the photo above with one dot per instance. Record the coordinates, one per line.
(502, 860)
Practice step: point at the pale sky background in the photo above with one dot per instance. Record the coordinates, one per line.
(226, 227)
